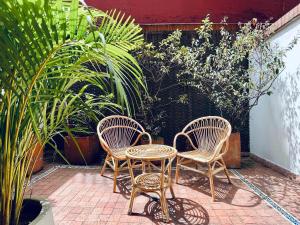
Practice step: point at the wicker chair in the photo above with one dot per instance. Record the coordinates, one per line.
(116, 134)
(208, 136)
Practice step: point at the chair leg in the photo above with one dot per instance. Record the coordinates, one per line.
(133, 194)
(116, 172)
(226, 171)
(104, 165)
(177, 170)
(211, 182)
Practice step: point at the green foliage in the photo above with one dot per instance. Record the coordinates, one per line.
(47, 47)
(235, 71)
(159, 64)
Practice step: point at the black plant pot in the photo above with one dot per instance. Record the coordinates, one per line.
(36, 212)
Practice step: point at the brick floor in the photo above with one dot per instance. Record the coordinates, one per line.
(280, 188)
(83, 197)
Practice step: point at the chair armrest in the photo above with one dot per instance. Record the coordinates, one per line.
(182, 134)
(220, 149)
(141, 135)
(148, 135)
(224, 146)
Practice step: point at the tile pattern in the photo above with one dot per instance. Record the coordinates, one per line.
(80, 195)
(267, 199)
(281, 189)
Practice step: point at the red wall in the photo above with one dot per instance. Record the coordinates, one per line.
(192, 11)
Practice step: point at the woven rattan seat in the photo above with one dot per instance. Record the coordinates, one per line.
(208, 137)
(158, 178)
(120, 153)
(150, 181)
(116, 134)
(197, 155)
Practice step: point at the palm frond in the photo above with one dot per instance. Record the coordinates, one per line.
(47, 47)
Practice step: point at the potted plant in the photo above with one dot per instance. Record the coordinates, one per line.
(82, 145)
(41, 58)
(234, 73)
(81, 149)
(152, 119)
(37, 160)
(158, 68)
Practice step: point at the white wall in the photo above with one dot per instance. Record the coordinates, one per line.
(275, 121)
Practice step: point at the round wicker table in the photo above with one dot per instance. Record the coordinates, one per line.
(158, 177)
(151, 152)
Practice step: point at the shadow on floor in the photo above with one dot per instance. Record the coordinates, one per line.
(279, 187)
(224, 192)
(182, 212)
(124, 186)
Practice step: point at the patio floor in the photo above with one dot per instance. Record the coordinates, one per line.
(79, 195)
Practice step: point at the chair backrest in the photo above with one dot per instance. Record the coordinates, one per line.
(209, 134)
(117, 132)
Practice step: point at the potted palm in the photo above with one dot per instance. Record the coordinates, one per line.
(81, 149)
(82, 145)
(37, 160)
(41, 58)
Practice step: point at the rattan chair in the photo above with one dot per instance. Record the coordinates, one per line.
(208, 138)
(116, 134)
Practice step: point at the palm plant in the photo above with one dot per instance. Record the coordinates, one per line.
(47, 47)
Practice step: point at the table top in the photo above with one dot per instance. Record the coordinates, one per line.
(151, 152)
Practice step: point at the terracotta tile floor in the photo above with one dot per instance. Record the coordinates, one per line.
(281, 189)
(81, 196)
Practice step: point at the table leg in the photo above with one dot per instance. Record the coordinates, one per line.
(133, 194)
